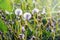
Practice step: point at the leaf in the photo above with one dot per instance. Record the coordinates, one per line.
(5, 5)
(29, 32)
(44, 21)
(3, 27)
(45, 35)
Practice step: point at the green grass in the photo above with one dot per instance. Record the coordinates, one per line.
(41, 29)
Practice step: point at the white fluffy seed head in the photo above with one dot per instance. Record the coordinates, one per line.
(27, 16)
(18, 12)
(35, 10)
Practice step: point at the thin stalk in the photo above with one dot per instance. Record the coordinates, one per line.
(48, 7)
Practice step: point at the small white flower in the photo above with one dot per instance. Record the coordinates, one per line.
(27, 15)
(33, 37)
(18, 12)
(12, 22)
(53, 30)
(43, 12)
(23, 29)
(21, 36)
(35, 10)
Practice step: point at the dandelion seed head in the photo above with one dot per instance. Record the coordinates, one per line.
(18, 12)
(27, 15)
(35, 10)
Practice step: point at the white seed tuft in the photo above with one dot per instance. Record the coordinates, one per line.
(18, 12)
